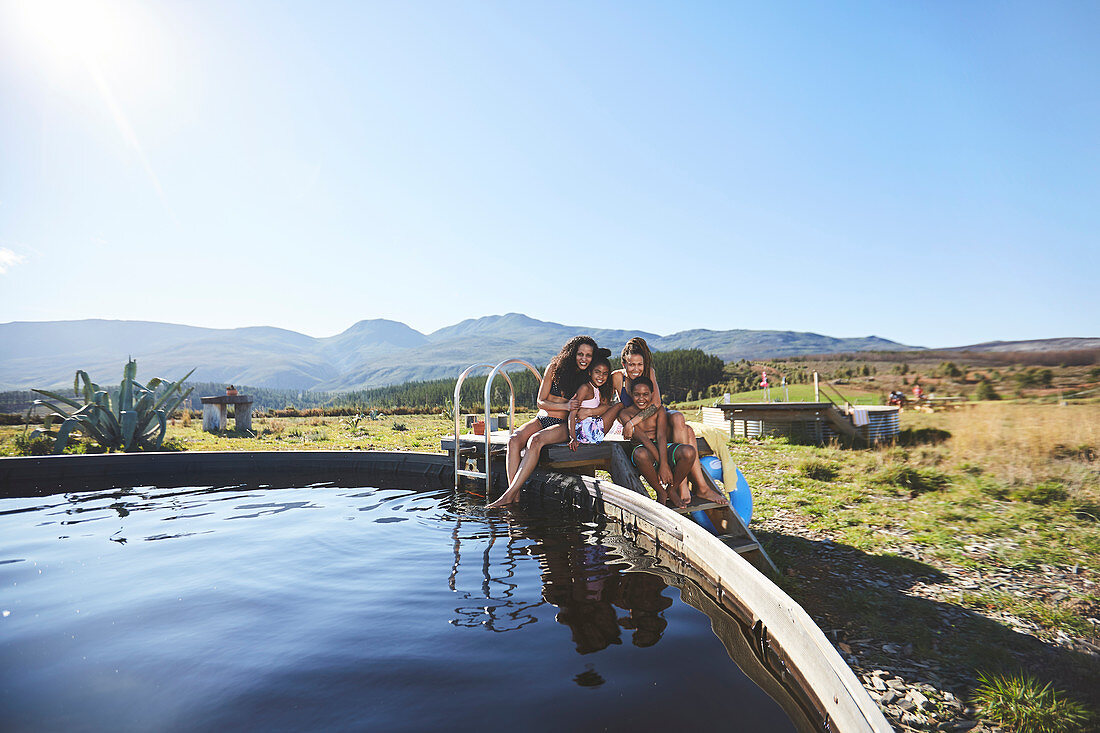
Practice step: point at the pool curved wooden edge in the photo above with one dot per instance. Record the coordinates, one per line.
(783, 636)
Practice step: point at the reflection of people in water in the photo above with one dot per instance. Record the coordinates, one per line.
(586, 589)
(578, 578)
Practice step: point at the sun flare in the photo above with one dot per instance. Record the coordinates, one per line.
(83, 31)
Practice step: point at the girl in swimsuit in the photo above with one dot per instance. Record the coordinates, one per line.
(557, 396)
(596, 413)
(638, 360)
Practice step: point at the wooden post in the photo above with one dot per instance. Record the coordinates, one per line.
(214, 417)
(243, 416)
(817, 390)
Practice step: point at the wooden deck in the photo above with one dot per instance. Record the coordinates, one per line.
(610, 456)
(813, 421)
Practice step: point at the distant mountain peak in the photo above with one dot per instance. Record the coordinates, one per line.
(377, 325)
(371, 352)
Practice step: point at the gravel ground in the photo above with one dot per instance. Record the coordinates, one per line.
(930, 690)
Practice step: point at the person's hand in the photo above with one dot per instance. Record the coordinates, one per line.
(574, 404)
(628, 429)
(665, 474)
(573, 444)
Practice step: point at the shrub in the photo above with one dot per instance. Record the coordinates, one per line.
(1045, 492)
(400, 427)
(26, 445)
(1083, 452)
(1026, 706)
(919, 436)
(985, 391)
(817, 469)
(915, 480)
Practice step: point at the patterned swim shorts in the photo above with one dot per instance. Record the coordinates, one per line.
(590, 430)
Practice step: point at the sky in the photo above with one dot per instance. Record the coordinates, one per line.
(924, 172)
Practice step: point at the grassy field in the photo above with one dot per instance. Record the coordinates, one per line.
(856, 394)
(973, 542)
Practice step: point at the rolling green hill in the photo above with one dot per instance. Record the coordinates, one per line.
(371, 353)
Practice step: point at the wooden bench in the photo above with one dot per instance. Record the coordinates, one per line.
(215, 412)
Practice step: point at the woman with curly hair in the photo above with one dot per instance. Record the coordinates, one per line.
(637, 361)
(557, 396)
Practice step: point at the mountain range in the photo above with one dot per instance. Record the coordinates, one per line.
(370, 353)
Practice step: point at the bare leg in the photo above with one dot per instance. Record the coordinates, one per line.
(682, 433)
(517, 442)
(649, 471)
(702, 490)
(548, 436)
(685, 456)
(609, 416)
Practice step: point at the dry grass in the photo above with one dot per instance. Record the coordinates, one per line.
(1022, 444)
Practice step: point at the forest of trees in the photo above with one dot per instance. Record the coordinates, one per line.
(680, 372)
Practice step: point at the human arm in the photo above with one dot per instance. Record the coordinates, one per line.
(656, 399)
(584, 412)
(635, 417)
(544, 402)
(584, 393)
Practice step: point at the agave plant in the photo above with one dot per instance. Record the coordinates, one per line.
(136, 420)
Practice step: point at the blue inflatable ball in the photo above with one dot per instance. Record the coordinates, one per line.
(741, 498)
(713, 466)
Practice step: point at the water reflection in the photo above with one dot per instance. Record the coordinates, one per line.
(582, 576)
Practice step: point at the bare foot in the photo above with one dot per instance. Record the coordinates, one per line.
(685, 493)
(706, 493)
(504, 500)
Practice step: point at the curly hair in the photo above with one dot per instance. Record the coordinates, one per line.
(607, 391)
(637, 345)
(566, 374)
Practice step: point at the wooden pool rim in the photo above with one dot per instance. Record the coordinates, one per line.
(783, 637)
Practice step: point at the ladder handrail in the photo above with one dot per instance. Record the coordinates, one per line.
(839, 396)
(458, 413)
(494, 370)
(499, 369)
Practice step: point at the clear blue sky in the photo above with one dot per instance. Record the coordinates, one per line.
(925, 172)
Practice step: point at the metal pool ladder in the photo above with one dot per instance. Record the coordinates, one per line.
(495, 370)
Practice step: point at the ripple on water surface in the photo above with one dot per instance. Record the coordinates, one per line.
(322, 607)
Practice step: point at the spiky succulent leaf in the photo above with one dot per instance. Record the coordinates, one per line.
(173, 387)
(51, 406)
(129, 428)
(89, 388)
(56, 396)
(62, 439)
(126, 388)
(163, 422)
(176, 403)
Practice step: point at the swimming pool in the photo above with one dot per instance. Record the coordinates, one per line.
(348, 608)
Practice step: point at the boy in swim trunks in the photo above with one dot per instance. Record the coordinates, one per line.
(647, 427)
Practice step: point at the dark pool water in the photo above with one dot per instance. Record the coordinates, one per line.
(344, 609)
